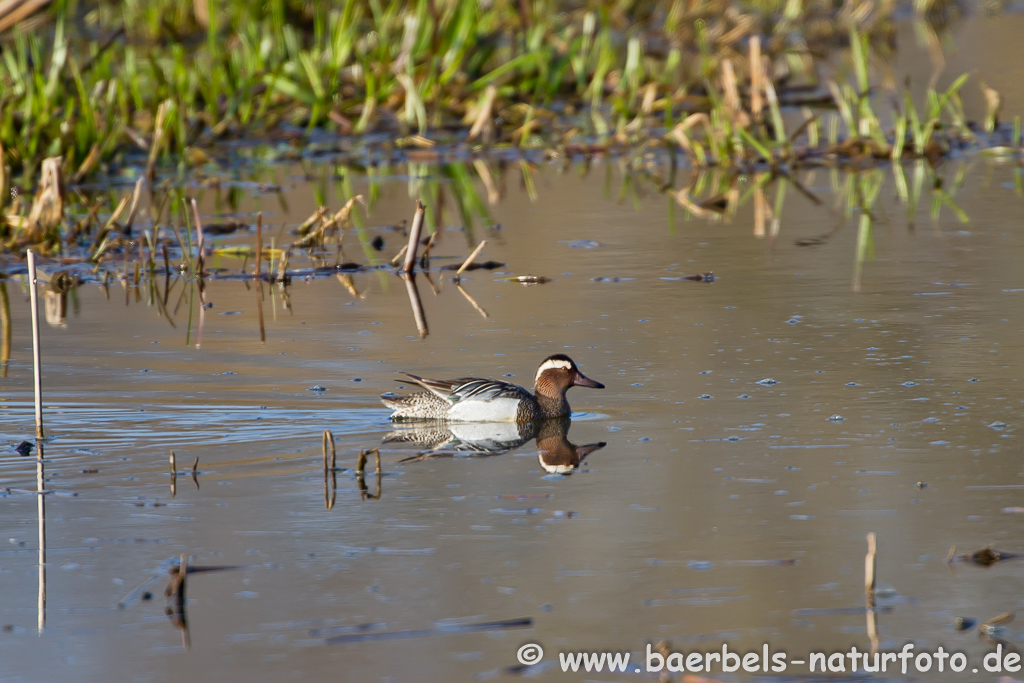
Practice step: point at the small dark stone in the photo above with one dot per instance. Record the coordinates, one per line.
(377, 243)
(964, 623)
(147, 596)
(25, 448)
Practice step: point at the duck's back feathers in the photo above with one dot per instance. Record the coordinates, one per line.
(468, 399)
(469, 388)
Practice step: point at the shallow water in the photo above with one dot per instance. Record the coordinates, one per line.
(756, 428)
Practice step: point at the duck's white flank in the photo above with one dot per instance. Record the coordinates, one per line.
(552, 365)
(493, 410)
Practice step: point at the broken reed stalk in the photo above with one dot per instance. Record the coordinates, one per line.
(361, 463)
(469, 259)
(174, 475)
(414, 238)
(328, 446)
(36, 363)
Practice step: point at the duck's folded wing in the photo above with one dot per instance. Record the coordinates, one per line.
(468, 388)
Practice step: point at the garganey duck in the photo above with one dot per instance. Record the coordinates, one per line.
(470, 399)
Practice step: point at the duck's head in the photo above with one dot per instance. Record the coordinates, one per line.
(557, 374)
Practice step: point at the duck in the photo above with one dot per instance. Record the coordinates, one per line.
(472, 399)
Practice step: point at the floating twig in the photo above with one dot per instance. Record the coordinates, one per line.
(992, 625)
(529, 279)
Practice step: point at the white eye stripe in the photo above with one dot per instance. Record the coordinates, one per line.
(553, 365)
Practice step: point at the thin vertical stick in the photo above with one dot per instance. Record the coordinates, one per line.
(414, 238)
(36, 363)
(174, 476)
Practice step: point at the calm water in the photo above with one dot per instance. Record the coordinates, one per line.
(756, 429)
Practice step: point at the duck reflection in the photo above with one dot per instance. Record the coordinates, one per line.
(555, 452)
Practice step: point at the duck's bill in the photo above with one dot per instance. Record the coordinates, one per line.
(584, 381)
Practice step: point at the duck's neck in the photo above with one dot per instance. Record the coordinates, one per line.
(553, 406)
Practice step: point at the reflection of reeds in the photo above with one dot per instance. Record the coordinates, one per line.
(417, 304)
(175, 592)
(41, 514)
(364, 492)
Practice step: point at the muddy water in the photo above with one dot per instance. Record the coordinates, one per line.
(756, 429)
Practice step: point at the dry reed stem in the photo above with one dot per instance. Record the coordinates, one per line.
(328, 447)
(414, 238)
(469, 259)
(36, 362)
(484, 122)
(136, 194)
(756, 103)
(174, 475)
(15, 11)
(48, 206)
(158, 138)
